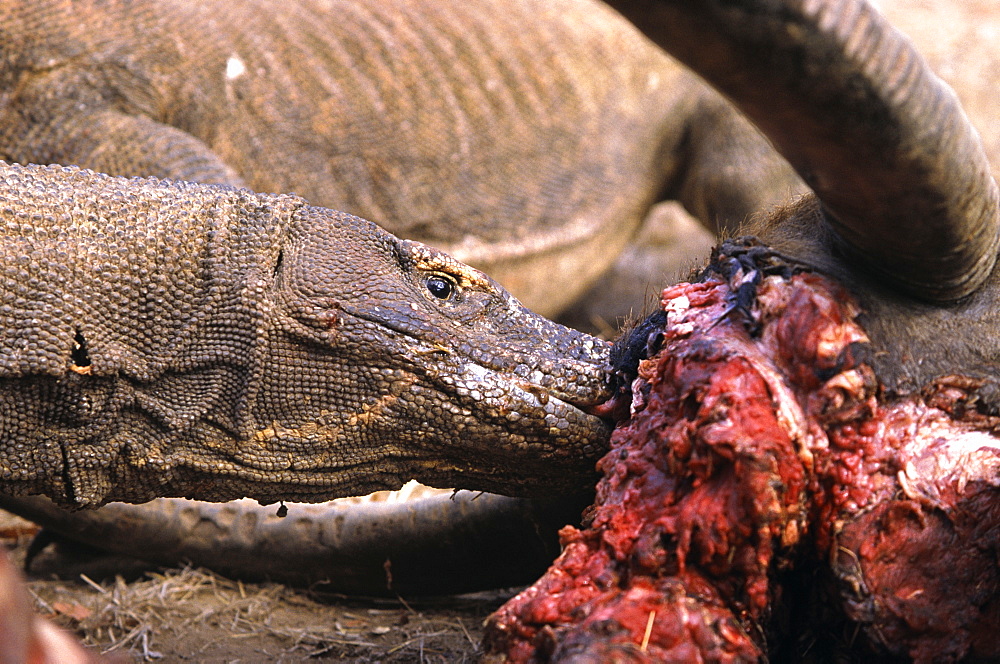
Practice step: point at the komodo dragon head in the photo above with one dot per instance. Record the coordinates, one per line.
(168, 338)
(398, 361)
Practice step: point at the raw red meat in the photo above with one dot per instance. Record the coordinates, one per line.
(759, 443)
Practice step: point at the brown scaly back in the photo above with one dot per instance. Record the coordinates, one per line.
(898, 168)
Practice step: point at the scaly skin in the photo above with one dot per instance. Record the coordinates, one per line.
(173, 339)
(528, 138)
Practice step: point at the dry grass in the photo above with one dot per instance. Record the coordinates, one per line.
(194, 615)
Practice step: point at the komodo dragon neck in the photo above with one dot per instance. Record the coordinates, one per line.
(162, 338)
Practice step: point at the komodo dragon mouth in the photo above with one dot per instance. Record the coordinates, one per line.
(461, 402)
(543, 385)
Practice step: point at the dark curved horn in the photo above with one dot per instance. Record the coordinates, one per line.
(434, 545)
(856, 110)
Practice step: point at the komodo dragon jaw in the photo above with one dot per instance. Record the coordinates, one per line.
(191, 340)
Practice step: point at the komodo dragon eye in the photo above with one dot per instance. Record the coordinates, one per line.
(440, 286)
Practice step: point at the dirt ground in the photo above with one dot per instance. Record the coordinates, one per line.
(194, 615)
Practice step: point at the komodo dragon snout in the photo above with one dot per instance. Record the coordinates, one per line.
(402, 362)
(173, 339)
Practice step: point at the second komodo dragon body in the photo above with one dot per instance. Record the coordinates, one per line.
(161, 338)
(526, 138)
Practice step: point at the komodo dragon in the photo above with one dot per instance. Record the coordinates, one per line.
(161, 338)
(528, 138)
(174, 339)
